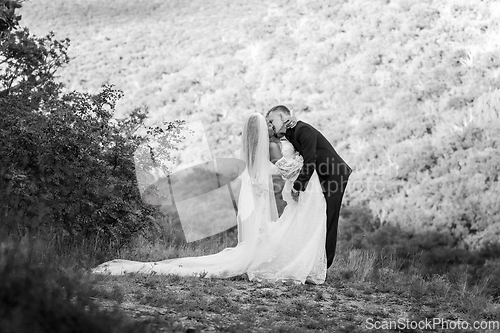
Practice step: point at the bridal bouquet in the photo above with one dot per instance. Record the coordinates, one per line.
(289, 168)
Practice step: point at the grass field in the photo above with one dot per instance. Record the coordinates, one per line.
(361, 289)
(357, 293)
(153, 50)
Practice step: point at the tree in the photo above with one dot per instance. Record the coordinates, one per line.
(8, 19)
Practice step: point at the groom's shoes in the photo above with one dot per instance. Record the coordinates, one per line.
(309, 280)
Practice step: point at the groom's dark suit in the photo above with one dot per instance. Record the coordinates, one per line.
(333, 173)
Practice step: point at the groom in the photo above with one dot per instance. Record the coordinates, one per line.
(333, 172)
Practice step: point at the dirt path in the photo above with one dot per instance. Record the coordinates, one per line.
(203, 305)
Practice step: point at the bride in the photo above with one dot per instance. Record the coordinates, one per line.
(288, 249)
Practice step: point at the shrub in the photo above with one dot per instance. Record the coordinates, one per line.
(37, 295)
(67, 167)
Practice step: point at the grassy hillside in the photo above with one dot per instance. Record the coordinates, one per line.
(408, 92)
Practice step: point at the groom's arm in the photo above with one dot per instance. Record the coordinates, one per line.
(307, 139)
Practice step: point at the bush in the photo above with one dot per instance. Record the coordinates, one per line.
(68, 168)
(355, 224)
(37, 295)
(489, 274)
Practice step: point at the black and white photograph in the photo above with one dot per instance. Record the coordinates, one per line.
(196, 166)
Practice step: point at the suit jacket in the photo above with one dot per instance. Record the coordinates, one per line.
(318, 155)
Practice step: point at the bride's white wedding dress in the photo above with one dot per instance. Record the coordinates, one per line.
(289, 249)
(293, 248)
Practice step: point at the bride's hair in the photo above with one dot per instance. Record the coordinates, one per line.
(255, 141)
(256, 180)
(252, 137)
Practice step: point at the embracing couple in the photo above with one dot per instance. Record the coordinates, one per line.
(297, 247)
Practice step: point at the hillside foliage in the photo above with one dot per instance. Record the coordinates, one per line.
(408, 92)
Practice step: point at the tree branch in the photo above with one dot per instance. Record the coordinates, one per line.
(7, 91)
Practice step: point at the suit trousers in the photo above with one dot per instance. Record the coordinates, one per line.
(333, 204)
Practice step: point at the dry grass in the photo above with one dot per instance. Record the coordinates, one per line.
(359, 286)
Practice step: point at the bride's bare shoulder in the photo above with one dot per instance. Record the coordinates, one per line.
(274, 151)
